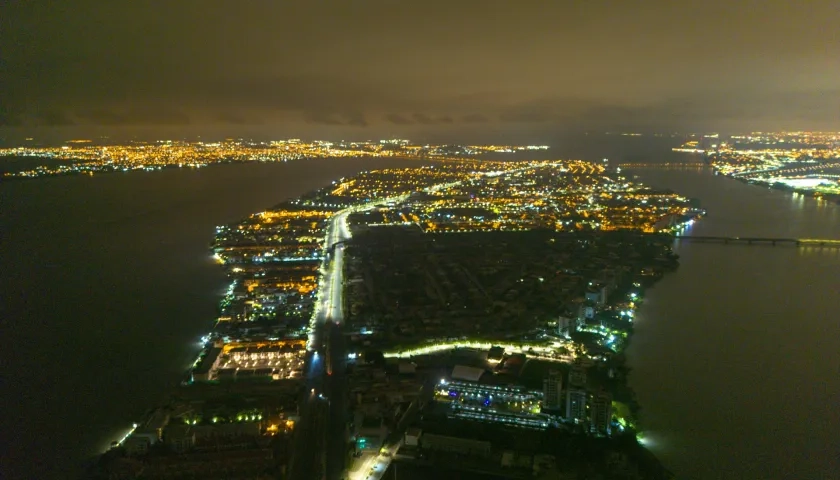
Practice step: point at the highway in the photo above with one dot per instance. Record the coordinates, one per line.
(336, 382)
(320, 445)
(320, 436)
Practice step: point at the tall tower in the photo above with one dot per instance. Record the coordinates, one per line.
(553, 391)
(602, 413)
(577, 376)
(575, 405)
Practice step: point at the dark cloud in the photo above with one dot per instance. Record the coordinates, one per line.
(474, 118)
(233, 118)
(354, 119)
(560, 64)
(53, 118)
(9, 117)
(529, 114)
(397, 119)
(134, 117)
(324, 118)
(423, 119)
(712, 111)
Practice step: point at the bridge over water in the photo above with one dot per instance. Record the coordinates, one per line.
(796, 242)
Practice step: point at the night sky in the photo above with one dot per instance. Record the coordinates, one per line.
(434, 69)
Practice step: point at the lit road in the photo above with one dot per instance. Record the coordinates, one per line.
(321, 429)
(336, 385)
(320, 443)
(374, 467)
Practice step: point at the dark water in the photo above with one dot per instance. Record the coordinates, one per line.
(736, 357)
(107, 286)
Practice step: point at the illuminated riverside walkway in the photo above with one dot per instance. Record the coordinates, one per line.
(670, 166)
(797, 242)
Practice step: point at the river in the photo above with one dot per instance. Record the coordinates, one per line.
(108, 285)
(736, 355)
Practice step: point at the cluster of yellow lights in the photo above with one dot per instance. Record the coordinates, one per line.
(83, 156)
(262, 344)
(526, 195)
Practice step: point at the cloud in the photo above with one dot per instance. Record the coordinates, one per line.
(354, 119)
(233, 118)
(134, 116)
(419, 119)
(53, 118)
(199, 60)
(8, 117)
(725, 111)
(423, 119)
(397, 119)
(526, 116)
(323, 118)
(474, 118)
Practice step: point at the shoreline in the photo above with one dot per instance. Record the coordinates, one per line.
(630, 422)
(785, 188)
(830, 198)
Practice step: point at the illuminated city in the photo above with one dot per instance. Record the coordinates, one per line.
(310, 307)
(803, 162)
(437, 239)
(88, 157)
(474, 295)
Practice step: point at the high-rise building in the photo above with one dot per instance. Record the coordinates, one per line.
(596, 293)
(553, 391)
(601, 413)
(565, 326)
(577, 376)
(586, 311)
(575, 405)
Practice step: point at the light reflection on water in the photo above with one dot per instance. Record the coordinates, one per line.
(735, 354)
(109, 282)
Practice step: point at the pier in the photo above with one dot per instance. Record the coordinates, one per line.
(795, 242)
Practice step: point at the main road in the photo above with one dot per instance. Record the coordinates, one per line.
(319, 447)
(320, 444)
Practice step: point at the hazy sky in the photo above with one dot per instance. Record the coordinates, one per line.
(369, 68)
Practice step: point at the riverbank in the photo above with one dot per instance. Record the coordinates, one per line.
(821, 197)
(716, 340)
(95, 269)
(276, 260)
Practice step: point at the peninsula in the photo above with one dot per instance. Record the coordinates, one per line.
(467, 315)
